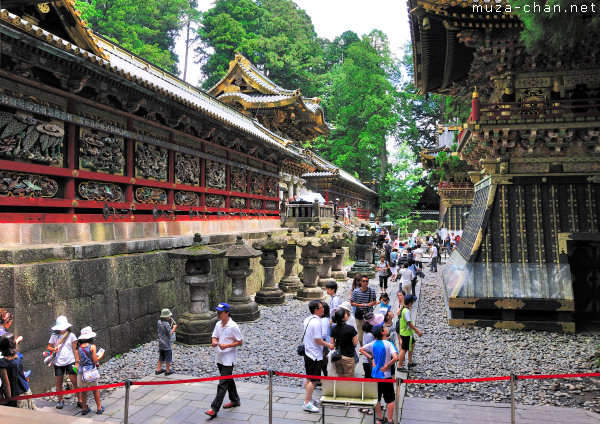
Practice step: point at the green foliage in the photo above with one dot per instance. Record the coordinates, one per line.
(409, 224)
(557, 25)
(147, 28)
(230, 26)
(401, 191)
(275, 35)
(447, 164)
(360, 102)
(420, 114)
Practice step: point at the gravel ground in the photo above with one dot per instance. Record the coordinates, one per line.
(442, 352)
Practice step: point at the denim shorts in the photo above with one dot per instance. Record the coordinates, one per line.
(165, 355)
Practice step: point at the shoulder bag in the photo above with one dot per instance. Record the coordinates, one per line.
(50, 359)
(89, 376)
(301, 349)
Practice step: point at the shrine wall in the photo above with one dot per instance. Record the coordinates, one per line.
(118, 288)
(66, 158)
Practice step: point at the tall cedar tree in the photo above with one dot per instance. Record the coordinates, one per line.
(360, 102)
(276, 35)
(554, 26)
(147, 28)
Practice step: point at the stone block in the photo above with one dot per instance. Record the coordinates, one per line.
(120, 337)
(150, 229)
(148, 299)
(128, 305)
(143, 329)
(31, 233)
(33, 322)
(10, 233)
(111, 308)
(101, 231)
(7, 286)
(77, 233)
(137, 230)
(121, 230)
(166, 294)
(53, 233)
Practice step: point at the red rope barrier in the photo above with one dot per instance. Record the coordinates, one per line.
(63, 392)
(542, 376)
(198, 380)
(322, 377)
(313, 377)
(458, 380)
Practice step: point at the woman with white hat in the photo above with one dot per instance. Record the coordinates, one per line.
(89, 357)
(63, 343)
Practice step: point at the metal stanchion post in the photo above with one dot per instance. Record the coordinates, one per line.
(397, 403)
(126, 412)
(513, 379)
(270, 396)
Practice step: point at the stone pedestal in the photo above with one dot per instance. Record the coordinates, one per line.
(269, 293)
(290, 283)
(327, 254)
(197, 325)
(338, 238)
(361, 266)
(369, 257)
(310, 260)
(238, 269)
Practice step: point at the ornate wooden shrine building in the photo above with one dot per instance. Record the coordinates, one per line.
(455, 191)
(293, 117)
(94, 136)
(529, 254)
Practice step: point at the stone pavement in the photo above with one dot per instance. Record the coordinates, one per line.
(186, 403)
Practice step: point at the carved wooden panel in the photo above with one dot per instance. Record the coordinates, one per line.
(216, 175)
(26, 185)
(257, 184)
(238, 180)
(187, 169)
(150, 162)
(187, 198)
(215, 201)
(150, 195)
(25, 137)
(101, 191)
(101, 152)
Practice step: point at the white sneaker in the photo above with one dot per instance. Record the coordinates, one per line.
(309, 407)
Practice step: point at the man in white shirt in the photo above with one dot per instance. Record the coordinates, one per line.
(406, 276)
(313, 352)
(434, 258)
(418, 253)
(226, 337)
(332, 288)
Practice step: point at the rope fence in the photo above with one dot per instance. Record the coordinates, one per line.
(127, 384)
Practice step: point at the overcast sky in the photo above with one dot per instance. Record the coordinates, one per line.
(332, 17)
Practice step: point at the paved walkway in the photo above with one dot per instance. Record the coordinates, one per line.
(186, 403)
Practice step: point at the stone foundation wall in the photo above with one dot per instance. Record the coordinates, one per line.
(118, 288)
(32, 234)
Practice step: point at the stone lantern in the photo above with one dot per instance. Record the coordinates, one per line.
(197, 325)
(338, 238)
(290, 283)
(361, 266)
(269, 293)
(310, 260)
(238, 269)
(327, 254)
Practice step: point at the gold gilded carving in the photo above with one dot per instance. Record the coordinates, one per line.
(100, 191)
(509, 304)
(462, 302)
(44, 7)
(509, 325)
(150, 195)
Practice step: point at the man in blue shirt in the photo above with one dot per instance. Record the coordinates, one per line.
(383, 355)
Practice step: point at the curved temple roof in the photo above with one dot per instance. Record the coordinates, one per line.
(248, 89)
